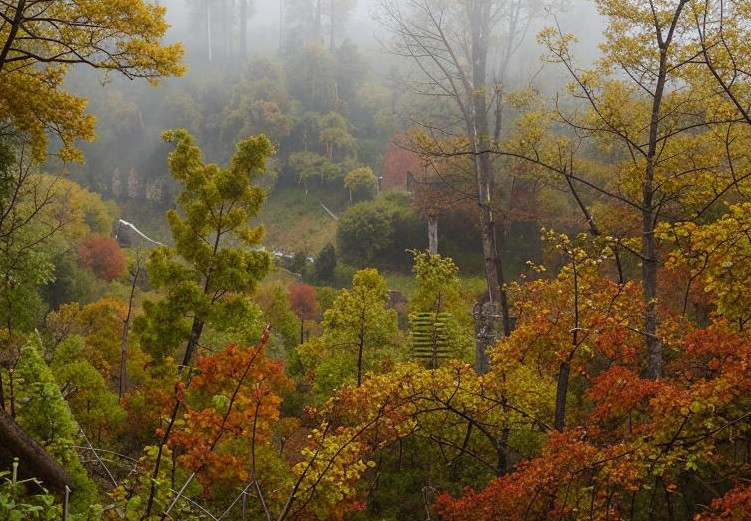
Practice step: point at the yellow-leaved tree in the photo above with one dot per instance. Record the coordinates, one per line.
(654, 138)
(40, 40)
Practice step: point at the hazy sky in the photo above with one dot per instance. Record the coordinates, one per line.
(580, 17)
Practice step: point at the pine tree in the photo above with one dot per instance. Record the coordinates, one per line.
(212, 269)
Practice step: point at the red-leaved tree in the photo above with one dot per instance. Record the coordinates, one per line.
(304, 303)
(103, 256)
(399, 163)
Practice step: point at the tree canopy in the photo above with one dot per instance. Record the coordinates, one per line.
(42, 39)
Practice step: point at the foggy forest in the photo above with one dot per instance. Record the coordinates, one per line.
(375, 260)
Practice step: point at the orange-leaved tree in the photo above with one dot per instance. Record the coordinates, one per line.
(230, 409)
(642, 449)
(103, 256)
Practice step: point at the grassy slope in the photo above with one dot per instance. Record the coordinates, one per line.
(295, 221)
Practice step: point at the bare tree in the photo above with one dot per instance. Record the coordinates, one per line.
(225, 26)
(126, 327)
(453, 44)
(316, 21)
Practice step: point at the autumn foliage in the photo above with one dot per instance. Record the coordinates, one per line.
(399, 163)
(232, 402)
(634, 453)
(103, 256)
(736, 504)
(600, 374)
(303, 300)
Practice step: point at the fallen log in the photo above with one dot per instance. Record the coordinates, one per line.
(35, 461)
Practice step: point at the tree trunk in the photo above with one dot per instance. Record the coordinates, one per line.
(490, 311)
(564, 372)
(302, 330)
(317, 27)
(126, 329)
(195, 335)
(486, 335)
(502, 450)
(227, 30)
(505, 314)
(649, 212)
(479, 134)
(360, 346)
(649, 280)
(197, 327)
(487, 224)
(560, 395)
(332, 29)
(433, 235)
(35, 461)
(649, 221)
(281, 25)
(359, 363)
(244, 30)
(208, 31)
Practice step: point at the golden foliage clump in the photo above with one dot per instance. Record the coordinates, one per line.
(43, 39)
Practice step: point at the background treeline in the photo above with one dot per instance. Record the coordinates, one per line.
(338, 113)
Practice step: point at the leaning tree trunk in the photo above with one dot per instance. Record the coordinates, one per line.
(190, 348)
(126, 330)
(35, 461)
